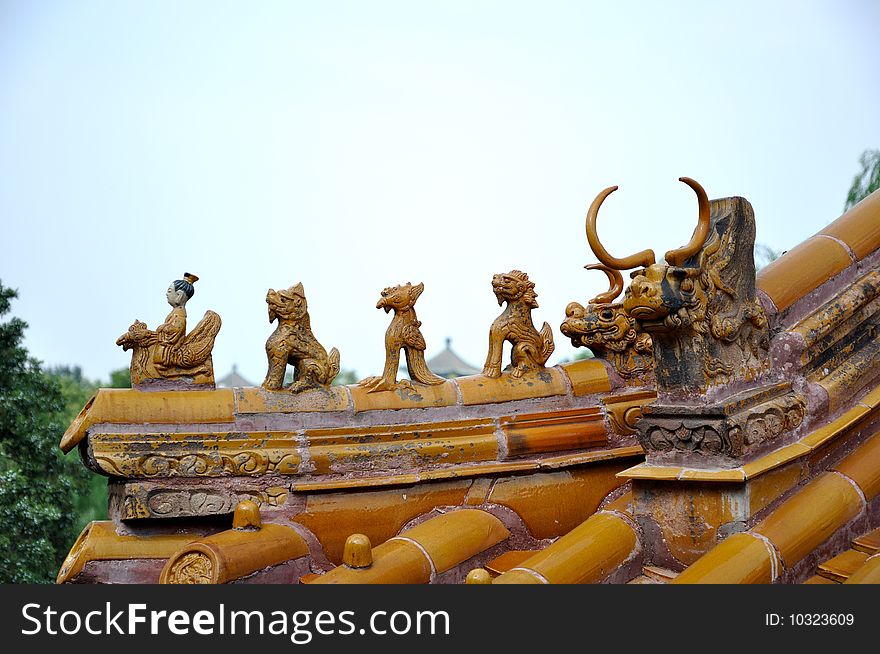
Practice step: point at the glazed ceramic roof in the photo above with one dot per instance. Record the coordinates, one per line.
(822, 285)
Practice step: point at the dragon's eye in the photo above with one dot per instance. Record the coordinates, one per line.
(606, 314)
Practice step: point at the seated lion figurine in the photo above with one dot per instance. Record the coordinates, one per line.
(531, 348)
(293, 342)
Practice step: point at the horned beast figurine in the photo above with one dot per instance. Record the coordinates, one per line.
(699, 305)
(402, 334)
(531, 348)
(293, 342)
(608, 330)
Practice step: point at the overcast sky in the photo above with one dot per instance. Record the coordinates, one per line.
(355, 145)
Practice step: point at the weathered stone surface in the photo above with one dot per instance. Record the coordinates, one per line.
(144, 500)
(708, 328)
(719, 434)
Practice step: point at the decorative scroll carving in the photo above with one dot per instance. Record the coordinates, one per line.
(293, 342)
(624, 411)
(699, 306)
(531, 348)
(402, 334)
(191, 568)
(729, 430)
(609, 331)
(774, 419)
(169, 353)
(203, 464)
(145, 500)
(702, 435)
(242, 463)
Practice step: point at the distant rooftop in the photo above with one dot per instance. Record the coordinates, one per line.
(233, 380)
(448, 364)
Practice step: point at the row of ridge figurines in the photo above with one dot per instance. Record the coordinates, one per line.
(169, 353)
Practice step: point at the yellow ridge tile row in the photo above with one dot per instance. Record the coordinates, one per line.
(417, 554)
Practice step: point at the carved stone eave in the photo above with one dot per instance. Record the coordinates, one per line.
(812, 441)
(721, 434)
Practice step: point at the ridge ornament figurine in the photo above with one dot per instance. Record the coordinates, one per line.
(608, 330)
(402, 334)
(169, 352)
(531, 348)
(715, 400)
(699, 305)
(293, 342)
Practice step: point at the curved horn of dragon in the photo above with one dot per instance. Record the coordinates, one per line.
(615, 284)
(530, 348)
(701, 232)
(641, 259)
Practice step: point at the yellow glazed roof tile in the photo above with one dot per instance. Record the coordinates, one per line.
(859, 227)
(419, 397)
(259, 400)
(863, 467)
(394, 562)
(233, 554)
(775, 459)
(479, 389)
(588, 553)
(869, 543)
(869, 573)
(742, 558)
(115, 405)
(733, 474)
(454, 537)
(810, 516)
(434, 546)
(100, 542)
(843, 565)
(587, 376)
(872, 399)
(802, 269)
(832, 430)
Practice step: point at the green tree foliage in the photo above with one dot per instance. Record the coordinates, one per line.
(39, 488)
(120, 378)
(76, 390)
(868, 179)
